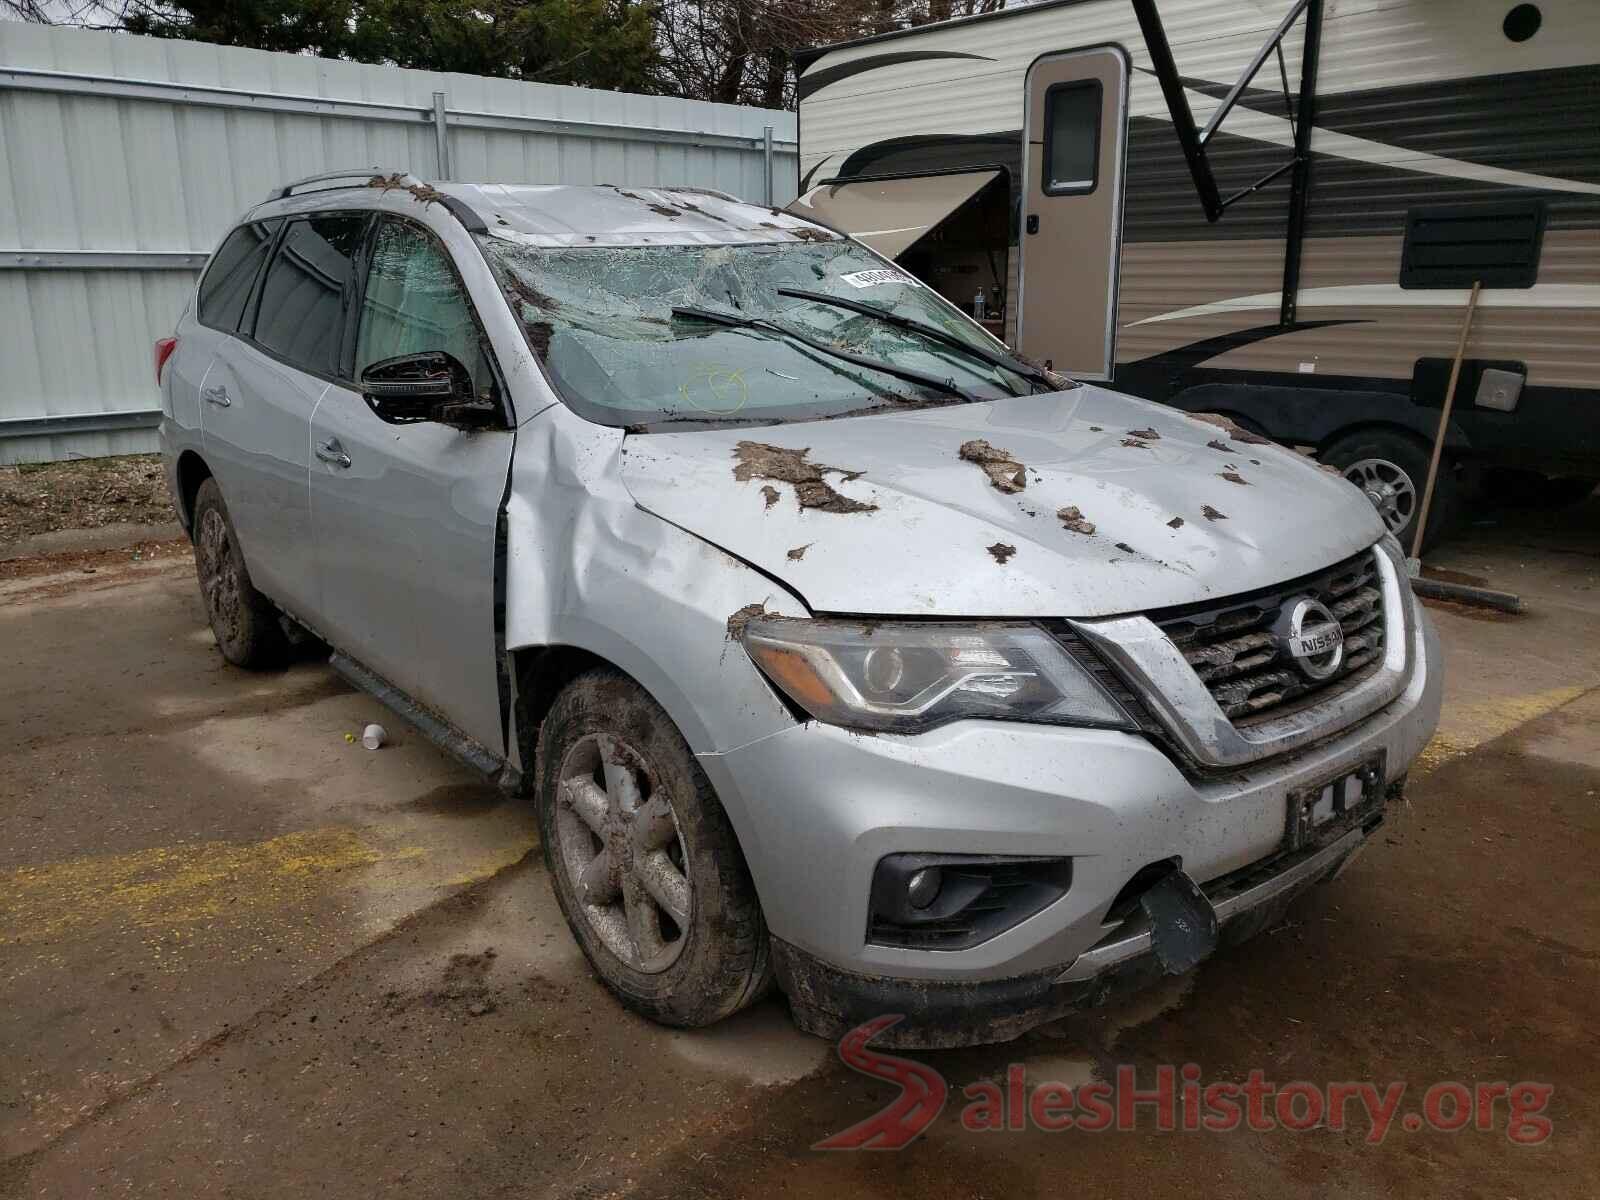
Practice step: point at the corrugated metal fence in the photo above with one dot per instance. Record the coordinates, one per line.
(123, 160)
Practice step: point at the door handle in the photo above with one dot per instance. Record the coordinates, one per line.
(331, 451)
(216, 395)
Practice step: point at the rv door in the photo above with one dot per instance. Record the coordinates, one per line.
(1075, 134)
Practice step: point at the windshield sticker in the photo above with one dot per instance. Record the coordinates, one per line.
(866, 279)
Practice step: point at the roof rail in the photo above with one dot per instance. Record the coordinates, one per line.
(361, 173)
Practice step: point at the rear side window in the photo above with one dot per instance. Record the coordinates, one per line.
(303, 297)
(226, 287)
(1072, 137)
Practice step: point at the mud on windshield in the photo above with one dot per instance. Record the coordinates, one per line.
(672, 337)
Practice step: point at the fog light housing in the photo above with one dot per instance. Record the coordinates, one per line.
(956, 901)
(922, 889)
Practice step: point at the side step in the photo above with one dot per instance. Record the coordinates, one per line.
(439, 731)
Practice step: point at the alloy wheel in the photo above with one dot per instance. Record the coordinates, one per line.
(619, 842)
(219, 576)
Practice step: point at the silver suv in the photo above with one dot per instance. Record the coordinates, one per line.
(833, 642)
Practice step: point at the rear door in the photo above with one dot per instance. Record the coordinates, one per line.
(219, 305)
(406, 514)
(1075, 139)
(259, 395)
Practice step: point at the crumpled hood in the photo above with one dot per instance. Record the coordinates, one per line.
(881, 514)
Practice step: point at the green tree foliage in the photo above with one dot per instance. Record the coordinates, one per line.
(735, 51)
(596, 43)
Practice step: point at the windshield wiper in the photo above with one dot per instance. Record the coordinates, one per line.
(993, 357)
(734, 320)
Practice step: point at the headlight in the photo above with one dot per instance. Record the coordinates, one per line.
(909, 677)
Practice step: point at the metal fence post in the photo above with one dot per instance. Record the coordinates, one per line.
(441, 135)
(766, 164)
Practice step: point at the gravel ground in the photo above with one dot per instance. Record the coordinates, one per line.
(84, 494)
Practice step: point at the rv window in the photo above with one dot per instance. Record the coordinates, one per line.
(1453, 247)
(1072, 137)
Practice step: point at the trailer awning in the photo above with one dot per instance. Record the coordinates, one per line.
(890, 214)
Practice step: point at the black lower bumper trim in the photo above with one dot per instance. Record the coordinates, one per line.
(829, 1001)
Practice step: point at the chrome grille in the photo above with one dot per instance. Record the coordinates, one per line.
(1232, 650)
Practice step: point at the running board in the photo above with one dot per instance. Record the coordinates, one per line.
(437, 730)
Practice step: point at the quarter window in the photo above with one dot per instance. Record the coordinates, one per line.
(1072, 138)
(225, 289)
(302, 301)
(414, 303)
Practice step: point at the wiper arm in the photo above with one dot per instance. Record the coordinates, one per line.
(993, 357)
(735, 321)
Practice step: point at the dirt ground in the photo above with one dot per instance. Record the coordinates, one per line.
(82, 494)
(242, 956)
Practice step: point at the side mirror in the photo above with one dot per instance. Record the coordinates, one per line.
(431, 386)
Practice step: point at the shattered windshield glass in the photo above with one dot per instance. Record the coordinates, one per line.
(602, 320)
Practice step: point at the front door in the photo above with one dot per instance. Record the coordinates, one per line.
(1075, 134)
(405, 515)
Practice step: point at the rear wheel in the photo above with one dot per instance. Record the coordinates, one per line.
(244, 622)
(1392, 469)
(644, 863)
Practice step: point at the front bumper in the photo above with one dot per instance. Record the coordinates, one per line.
(816, 807)
(829, 1002)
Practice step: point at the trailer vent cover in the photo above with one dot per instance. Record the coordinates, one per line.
(1454, 247)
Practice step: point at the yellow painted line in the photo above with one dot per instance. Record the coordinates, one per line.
(1465, 727)
(170, 886)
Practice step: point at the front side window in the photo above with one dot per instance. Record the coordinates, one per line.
(414, 303)
(611, 327)
(301, 314)
(226, 287)
(1072, 137)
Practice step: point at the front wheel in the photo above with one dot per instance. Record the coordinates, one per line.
(644, 862)
(1392, 469)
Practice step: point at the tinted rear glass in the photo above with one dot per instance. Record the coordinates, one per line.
(226, 287)
(302, 300)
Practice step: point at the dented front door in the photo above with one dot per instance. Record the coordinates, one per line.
(1075, 136)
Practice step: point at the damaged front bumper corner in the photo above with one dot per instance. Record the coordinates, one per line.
(828, 1001)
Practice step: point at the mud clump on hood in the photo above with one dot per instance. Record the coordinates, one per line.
(1236, 432)
(1234, 477)
(1212, 514)
(1175, 523)
(757, 460)
(743, 617)
(770, 494)
(1145, 435)
(1000, 552)
(1072, 518)
(799, 552)
(1005, 472)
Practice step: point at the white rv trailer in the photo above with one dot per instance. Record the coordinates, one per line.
(1266, 208)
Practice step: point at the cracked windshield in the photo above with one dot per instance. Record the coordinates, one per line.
(707, 334)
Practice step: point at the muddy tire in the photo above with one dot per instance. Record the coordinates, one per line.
(643, 861)
(1392, 469)
(244, 622)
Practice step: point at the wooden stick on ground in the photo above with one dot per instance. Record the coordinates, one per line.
(1444, 423)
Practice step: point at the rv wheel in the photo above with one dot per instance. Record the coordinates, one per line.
(1392, 469)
